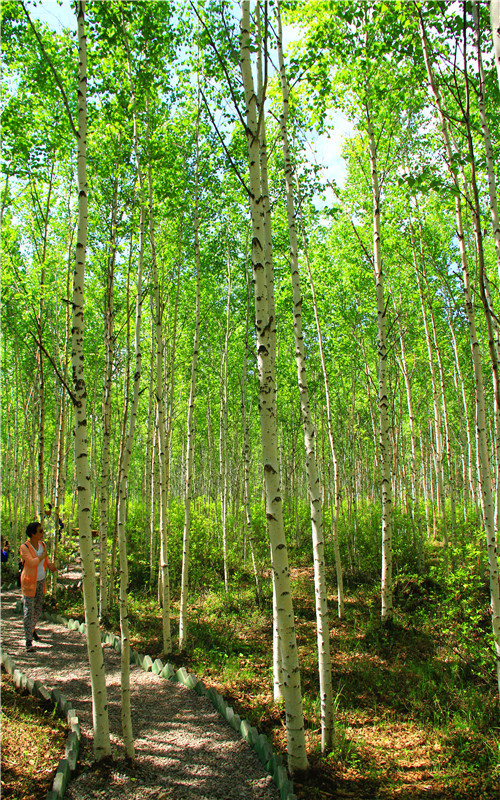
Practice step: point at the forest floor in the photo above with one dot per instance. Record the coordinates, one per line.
(33, 742)
(413, 718)
(416, 717)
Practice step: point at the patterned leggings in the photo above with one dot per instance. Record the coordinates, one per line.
(32, 610)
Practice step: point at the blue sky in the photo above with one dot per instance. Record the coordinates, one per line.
(55, 14)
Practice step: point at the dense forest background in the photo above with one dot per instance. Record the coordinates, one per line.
(399, 271)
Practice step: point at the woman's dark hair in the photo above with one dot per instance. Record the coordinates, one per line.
(32, 528)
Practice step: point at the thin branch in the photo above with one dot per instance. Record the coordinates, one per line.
(354, 227)
(223, 65)
(56, 369)
(235, 168)
(264, 83)
(53, 70)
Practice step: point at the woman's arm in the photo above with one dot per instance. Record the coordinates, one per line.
(30, 559)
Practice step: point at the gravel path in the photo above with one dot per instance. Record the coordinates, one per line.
(184, 749)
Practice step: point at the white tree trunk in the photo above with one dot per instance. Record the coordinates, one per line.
(224, 431)
(265, 324)
(163, 450)
(123, 436)
(383, 391)
(333, 452)
(41, 372)
(278, 693)
(126, 717)
(190, 421)
(313, 482)
(58, 483)
(164, 582)
(61, 435)
(415, 490)
(267, 256)
(126, 711)
(245, 421)
(106, 418)
(490, 162)
(438, 449)
(151, 488)
(102, 746)
(470, 472)
(164, 578)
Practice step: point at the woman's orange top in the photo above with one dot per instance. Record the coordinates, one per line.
(30, 570)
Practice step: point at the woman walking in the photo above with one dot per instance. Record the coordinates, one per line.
(36, 562)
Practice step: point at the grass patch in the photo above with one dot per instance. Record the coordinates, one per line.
(33, 742)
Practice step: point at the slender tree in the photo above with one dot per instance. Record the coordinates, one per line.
(265, 325)
(102, 745)
(190, 414)
(322, 621)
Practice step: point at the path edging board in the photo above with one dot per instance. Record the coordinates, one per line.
(67, 765)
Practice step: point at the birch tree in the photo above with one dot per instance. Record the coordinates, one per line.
(59, 480)
(106, 413)
(265, 326)
(102, 746)
(161, 430)
(126, 717)
(353, 76)
(481, 101)
(322, 621)
(245, 421)
(329, 421)
(383, 396)
(190, 421)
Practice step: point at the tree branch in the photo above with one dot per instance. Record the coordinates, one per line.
(235, 168)
(56, 370)
(52, 68)
(223, 65)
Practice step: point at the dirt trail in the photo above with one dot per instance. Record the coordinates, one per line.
(184, 749)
